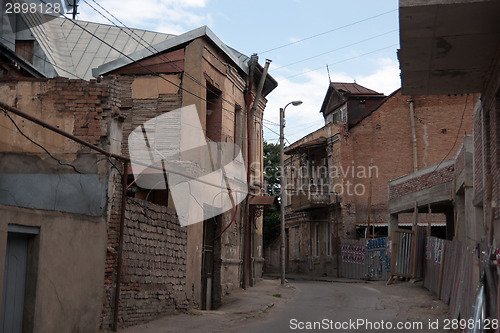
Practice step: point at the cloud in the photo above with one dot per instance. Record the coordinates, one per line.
(311, 89)
(168, 16)
(385, 78)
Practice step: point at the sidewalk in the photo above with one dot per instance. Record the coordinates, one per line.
(238, 306)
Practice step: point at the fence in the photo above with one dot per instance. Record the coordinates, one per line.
(366, 258)
(447, 267)
(450, 275)
(408, 252)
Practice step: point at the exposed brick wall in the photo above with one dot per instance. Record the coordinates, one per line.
(137, 111)
(478, 151)
(440, 176)
(82, 108)
(489, 141)
(88, 101)
(154, 248)
(385, 138)
(153, 267)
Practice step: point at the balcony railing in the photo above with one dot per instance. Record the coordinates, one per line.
(311, 197)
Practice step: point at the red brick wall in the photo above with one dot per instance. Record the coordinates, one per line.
(488, 141)
(478, 152)
(440, 176)
(385, 136)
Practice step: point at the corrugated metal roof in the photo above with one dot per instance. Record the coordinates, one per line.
(74, 49)
(354, 88)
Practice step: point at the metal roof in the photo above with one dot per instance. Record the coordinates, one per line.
(354, 88)
(239, 59)
(77, 47)
(81, 49)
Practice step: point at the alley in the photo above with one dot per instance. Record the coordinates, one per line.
(334, 306)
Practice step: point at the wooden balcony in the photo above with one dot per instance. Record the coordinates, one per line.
(310, 198)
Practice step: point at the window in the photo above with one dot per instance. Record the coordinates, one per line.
(214, 114)
(316, 240)
(328, 239)
(340, 114)
(25, 49)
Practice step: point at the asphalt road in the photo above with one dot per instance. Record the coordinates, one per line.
(352, 307)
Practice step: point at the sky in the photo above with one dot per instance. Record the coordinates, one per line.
(357, 39)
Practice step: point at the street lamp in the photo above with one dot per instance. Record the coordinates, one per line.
(283, 185)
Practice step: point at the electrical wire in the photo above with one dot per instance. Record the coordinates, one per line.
(344, 60)
(329, 31)
(157, 52)
(334, 50)
(456, 138)
(47, 61)
(270, 129)
(40, 146)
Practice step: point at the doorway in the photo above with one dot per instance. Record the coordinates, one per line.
(19, 280)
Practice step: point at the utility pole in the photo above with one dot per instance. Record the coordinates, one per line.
(283, 187)
(74, 9)
(282, 192)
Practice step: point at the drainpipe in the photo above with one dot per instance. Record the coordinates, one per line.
(248, 101)
(413, 135)
(251, 108)
(119, 254)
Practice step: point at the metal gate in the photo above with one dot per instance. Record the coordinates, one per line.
(408, 248)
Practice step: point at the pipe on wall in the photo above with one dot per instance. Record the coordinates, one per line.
(413, 134)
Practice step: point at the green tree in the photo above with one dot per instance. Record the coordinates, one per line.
(272, 187)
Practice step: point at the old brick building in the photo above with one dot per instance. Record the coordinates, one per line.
(338, 175)
(93, 262)
(440, 54)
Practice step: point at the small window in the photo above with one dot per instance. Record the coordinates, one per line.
(25, 49)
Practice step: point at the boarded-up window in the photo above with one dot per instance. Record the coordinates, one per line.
(25, 49)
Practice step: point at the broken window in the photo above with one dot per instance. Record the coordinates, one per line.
(214, 114)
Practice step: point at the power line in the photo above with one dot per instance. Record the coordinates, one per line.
(276, 133)
(45, 60)
(329, 31)
(157, 52)
(40, 146)
(334, 50)
(341, 61)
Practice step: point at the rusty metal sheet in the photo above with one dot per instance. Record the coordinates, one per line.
(263, 200)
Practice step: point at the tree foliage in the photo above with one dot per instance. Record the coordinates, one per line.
(272, 187)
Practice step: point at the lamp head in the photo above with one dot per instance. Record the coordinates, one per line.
(295, 103)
